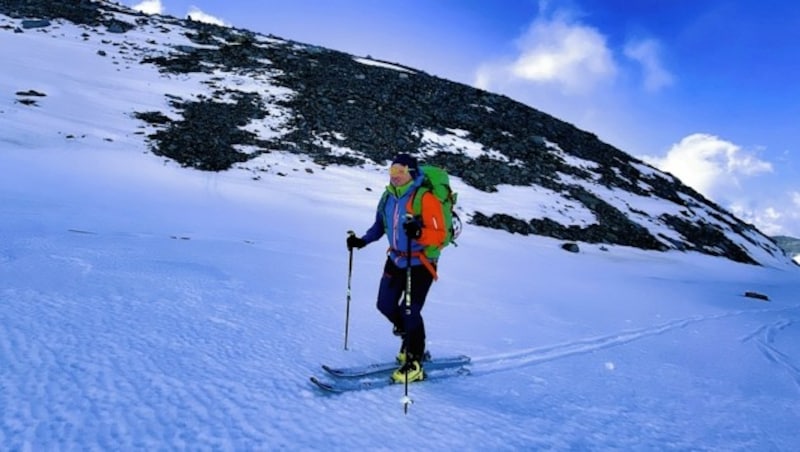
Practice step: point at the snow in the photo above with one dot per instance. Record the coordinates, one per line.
(431, 142)
(147, 306)
(383, 64)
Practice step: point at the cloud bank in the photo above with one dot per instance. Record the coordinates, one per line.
(555, 52)
(724, 172)
(559, 51)
(199, 16)
(194, 13)
(771, 220)
(710, 165)
(572, 56)
(150, 7)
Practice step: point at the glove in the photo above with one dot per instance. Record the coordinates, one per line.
(413, 228)
(355, 242)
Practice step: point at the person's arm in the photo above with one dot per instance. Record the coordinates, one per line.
(375, 231)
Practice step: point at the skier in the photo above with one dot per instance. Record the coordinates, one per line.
(395, 218)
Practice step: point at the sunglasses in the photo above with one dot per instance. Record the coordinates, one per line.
(398, 170)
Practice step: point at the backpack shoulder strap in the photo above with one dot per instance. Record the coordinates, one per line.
(416, 200)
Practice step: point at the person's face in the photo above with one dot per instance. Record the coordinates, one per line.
(399, 175)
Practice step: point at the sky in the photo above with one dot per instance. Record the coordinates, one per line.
(148, 306)
(705, 90)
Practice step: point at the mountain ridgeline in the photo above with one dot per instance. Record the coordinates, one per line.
(338, 109)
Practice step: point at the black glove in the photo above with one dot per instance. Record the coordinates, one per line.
(413, 228)
(355, 242)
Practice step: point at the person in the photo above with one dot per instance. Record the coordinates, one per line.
(395, 219)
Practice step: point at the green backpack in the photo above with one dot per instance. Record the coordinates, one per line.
(437, 181)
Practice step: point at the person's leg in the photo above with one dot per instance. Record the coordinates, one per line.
(391, 287)
(421, 280)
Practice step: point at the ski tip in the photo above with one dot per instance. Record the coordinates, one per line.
(325, 387)
(331, 370)
(321, 385)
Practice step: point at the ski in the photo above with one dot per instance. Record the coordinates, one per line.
(338, 385)
(387, 367)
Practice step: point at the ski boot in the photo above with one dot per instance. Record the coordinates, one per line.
(401, 356)
(411, 371)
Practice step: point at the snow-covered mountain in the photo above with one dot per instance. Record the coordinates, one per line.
(790, 245)
(216, 98)
(148, 303)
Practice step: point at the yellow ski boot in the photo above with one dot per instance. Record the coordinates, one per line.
(411, 370)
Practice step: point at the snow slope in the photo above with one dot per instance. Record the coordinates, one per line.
(144, 306)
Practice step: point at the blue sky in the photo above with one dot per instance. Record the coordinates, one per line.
(706, 90)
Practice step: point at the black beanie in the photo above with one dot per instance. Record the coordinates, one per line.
(409, 161)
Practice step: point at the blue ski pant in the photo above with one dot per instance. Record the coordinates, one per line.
(392, 304)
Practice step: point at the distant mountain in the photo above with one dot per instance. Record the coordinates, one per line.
(790, 245)
(232, 95)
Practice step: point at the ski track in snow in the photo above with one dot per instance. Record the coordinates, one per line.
(516, 360)
(764, 338)
(523, 358)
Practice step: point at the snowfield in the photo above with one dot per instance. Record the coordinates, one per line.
(146, 306)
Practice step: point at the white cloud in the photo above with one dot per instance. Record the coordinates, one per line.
(710, 165)
(558, 52)
(647, 54)
(199, 16)
(762, 212)
(572, 55)
(724, 172)
(149, 7)
(768, 220)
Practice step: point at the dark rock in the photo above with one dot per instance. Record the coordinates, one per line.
(118, 26)
(571, 247)
(31, 93)
(35, 23)
(756, 295)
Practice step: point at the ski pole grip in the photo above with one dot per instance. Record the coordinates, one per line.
(350, 233)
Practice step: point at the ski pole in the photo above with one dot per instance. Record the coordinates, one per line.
(406, 399)
(349, 278)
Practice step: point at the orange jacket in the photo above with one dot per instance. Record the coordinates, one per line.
(432, 219)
